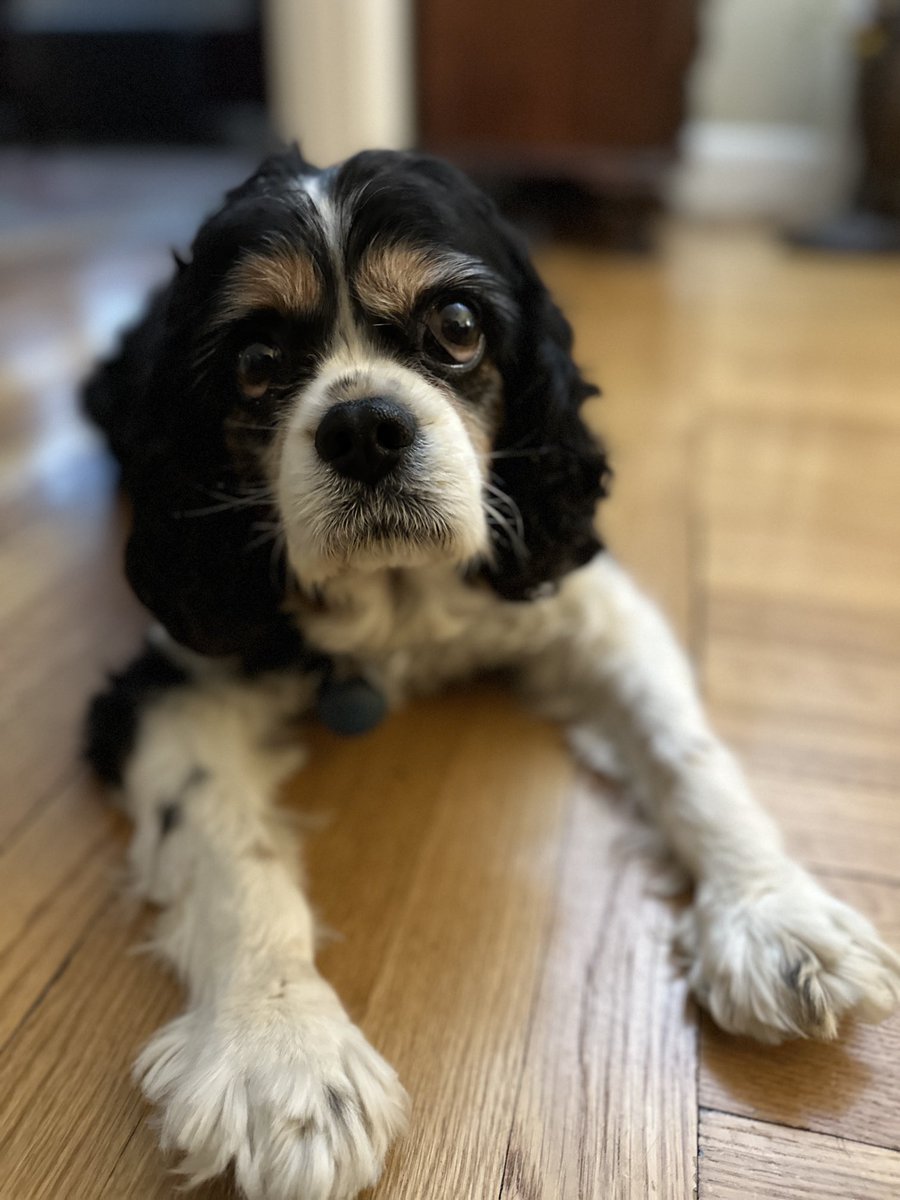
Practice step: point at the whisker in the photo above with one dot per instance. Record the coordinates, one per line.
(214, 509)
(278, 555)
(250, 496)
(261, 488)
(506, 517)
(534, 451)
(267, 531)
(498, 522)
(504, 500)
(255, 428)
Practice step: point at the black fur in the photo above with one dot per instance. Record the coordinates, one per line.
(195, 558)
(547, 460)
(114, 715)
(170, 816)
(171, 811)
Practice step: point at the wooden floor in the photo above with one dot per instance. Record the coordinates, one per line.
(494, 932)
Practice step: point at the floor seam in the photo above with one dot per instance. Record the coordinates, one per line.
(834, 1137)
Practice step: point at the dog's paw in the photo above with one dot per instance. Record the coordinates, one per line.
(780, 958)
(284, 1087)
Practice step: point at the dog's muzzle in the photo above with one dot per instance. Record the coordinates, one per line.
(366, 439)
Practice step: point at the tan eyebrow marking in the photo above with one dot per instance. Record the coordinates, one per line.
(391, 278)
(286, 281)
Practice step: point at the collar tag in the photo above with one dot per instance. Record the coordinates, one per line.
(350, 706)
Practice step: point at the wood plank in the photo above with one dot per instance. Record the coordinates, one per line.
(822, 712)
(68, 1106)
(805, 623)
(803, 510)
(45, 701)
(850, 1087)
(56, 877)
(452, 1006)
(607, 1105)
(747, 1160)
(778, 334)
(833, 824)
(391, 786)
(802, 646)
(814, 685)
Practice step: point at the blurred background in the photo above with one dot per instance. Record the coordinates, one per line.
(585, 119)
(712, 188)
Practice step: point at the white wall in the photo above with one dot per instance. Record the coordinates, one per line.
(340, 74)
(771, 102)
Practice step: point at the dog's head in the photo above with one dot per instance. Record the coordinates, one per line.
(360, 368)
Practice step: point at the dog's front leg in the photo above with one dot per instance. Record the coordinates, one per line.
(772, 954)
(264, 1070)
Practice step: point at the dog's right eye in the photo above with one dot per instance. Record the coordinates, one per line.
(453, 335)
(256, 367)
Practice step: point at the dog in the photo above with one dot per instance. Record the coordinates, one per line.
(350, 431)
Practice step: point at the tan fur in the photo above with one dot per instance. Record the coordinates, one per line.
(391, 279)
(286, 281)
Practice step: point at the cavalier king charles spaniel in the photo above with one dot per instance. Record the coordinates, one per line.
(350, 431)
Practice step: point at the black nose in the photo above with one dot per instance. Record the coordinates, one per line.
(365, 439)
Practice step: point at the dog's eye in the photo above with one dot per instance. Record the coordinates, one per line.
(256, 366)
(456, 330)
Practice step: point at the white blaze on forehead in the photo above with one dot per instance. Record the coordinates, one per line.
(314, 185)
(347, 331)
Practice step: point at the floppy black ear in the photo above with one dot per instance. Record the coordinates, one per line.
(546, 459)
(195, 557)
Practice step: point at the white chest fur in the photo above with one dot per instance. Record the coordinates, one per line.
(414, 630)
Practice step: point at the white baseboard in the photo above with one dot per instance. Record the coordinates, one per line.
(788, 173)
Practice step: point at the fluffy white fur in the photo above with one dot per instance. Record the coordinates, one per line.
(264, 1069)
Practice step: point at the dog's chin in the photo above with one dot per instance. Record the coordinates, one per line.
(362, 536)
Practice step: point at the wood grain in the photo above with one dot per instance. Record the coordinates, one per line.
(68, 1065)
(606, 1105)
(491, 864)
(834, 824)
(55, 877)
(742, 1159)
(490, 929)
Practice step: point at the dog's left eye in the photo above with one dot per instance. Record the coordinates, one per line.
(256, 366)
(457, 331)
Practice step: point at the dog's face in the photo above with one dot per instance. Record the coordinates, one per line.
(360, 324)
(363, 360)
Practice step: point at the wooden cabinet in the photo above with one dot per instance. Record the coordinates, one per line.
(585, 90)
